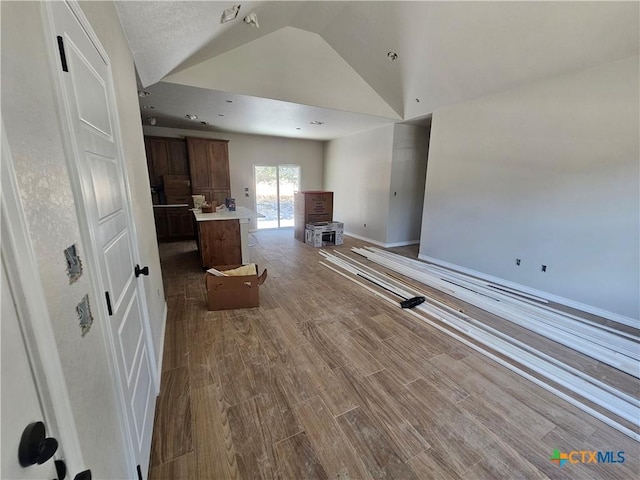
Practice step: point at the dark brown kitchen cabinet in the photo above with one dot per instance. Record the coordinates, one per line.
(173, 223)
(209, 168)
(179, 160)
(160, 217)
(180, 223)
(158, 156)
(219, 243)
(165, 156)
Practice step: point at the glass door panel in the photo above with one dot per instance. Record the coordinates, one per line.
(274, 194)
(288, 182)
(267, 196)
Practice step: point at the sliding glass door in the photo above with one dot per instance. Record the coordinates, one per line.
(274, 194)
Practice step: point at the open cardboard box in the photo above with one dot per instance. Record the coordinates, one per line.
(228, 293)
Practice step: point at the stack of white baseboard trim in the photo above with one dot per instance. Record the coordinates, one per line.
(617, 349)
(613, 347)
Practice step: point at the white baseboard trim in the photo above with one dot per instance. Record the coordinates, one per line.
(402, 244)
(381, 244)
(616, 317)
(365, 239)
(161, 349)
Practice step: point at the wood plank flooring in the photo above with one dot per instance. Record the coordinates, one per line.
(324, 381)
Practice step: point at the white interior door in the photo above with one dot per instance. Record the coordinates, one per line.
(20, 399)
(86, 80)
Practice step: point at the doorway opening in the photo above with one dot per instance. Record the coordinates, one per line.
(275, 186)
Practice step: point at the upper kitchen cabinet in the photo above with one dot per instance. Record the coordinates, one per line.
(165, 156)
(209, 168)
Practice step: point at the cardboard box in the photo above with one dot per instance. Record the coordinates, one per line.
(320, 234)
(311, 206)
(228, 293)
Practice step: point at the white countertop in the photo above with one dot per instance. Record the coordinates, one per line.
(241, 213)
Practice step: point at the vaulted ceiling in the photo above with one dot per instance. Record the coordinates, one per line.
(328, 61)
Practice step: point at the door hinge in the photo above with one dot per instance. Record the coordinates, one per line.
(63, 56)
(106, 294)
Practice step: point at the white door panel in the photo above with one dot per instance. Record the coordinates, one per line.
(88, 86)
(130, 337)
(100, 172)
(104, 180)
(142, 400)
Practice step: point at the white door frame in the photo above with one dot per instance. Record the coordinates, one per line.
(35, 322)
(87, 236)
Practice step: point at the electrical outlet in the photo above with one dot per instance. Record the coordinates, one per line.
(365, 225)
(544, 268)
(518, 261)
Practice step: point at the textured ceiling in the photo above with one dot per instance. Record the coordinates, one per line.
(449, 52)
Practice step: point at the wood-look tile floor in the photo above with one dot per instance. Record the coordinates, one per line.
(323, 380)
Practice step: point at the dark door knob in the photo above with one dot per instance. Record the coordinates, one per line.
(141, 271)
(34, 446)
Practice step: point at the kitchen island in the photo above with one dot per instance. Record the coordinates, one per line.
(223, 237)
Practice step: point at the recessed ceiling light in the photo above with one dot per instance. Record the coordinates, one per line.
(220, 115)
(191, 117)
(316, 122)
(143, 93)
(230, 14)
(150, 107)
(392, 56)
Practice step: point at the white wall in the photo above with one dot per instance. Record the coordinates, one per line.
(35, 140)
(547, 173)
(103, 19)
(406, 190)
(245, 151)
(358, 171)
